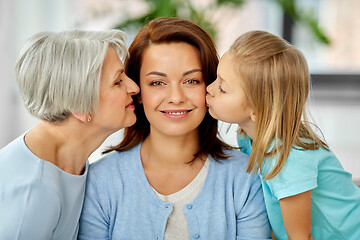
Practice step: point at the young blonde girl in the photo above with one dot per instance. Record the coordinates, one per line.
(262, 84)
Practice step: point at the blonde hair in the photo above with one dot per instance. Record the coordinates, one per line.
(59, 73)
(276, 82)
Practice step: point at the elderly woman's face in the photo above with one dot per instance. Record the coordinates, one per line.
(115, 109)
(173, 88)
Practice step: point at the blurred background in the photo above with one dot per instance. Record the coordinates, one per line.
(326, 31)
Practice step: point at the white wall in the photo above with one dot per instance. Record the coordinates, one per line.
(19, 20)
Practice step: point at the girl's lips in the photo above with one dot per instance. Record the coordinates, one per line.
(207, 103)
(206, 100)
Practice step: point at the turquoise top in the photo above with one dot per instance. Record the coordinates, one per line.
(37, 199)
(335, 199)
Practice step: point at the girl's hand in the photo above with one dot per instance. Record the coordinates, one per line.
(296, 213)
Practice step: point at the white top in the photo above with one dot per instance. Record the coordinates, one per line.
(176, 227)
(37, 199)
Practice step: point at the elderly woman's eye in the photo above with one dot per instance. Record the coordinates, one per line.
(118, 82)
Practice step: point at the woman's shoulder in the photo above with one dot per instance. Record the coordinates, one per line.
(18, 165)
(236, 158)
(114, 160)
(235, 165)
(231, 174)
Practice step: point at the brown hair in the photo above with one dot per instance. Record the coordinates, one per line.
(169, 30)
(276, 82)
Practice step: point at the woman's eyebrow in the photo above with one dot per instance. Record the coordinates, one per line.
(156, 73)
(192, 71)
(164, 75)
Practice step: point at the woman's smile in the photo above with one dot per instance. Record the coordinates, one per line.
(173, 89)
(176, 114)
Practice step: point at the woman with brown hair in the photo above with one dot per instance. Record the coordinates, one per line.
(171, 177)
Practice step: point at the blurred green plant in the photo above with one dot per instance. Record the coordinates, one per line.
(185, 9)
(306, 18)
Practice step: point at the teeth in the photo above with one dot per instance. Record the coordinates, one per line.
(176, 113)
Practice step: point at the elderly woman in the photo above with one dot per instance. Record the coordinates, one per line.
(74, 82)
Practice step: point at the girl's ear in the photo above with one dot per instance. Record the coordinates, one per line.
(85, 118)
(252, 116)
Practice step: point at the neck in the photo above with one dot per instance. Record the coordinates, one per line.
(170, 152)
(166, 161)
(67, 145)
(250, 129)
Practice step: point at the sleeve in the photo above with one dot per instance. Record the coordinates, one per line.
(252, 220)
(298, 175)
(29, 212)
(94, 223)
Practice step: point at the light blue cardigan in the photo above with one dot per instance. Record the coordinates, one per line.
(120, 203)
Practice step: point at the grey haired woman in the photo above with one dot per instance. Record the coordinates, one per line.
(74, 82)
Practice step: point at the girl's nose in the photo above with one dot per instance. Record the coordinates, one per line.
(210, 88)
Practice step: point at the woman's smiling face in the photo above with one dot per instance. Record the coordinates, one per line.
(172, 88)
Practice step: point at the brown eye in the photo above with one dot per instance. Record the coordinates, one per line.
(157, 83)
(192, 81)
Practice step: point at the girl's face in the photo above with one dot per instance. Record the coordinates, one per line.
(115, 109)
(172, 88)
(226, 98)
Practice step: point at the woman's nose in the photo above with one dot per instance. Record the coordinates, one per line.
(176, 94)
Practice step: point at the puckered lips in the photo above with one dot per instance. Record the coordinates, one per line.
(207, 100)
(130, 105)
(176, 114)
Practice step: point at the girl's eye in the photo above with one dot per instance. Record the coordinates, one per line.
(192, 81)
(157, 83)
(221, 90)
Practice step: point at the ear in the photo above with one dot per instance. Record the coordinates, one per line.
(252, 116)
(81, 117)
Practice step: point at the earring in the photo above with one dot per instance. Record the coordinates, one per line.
(88, 119)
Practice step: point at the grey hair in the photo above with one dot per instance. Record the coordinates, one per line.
(59, 73)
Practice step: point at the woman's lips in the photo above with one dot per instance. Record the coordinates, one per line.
(176, 114)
